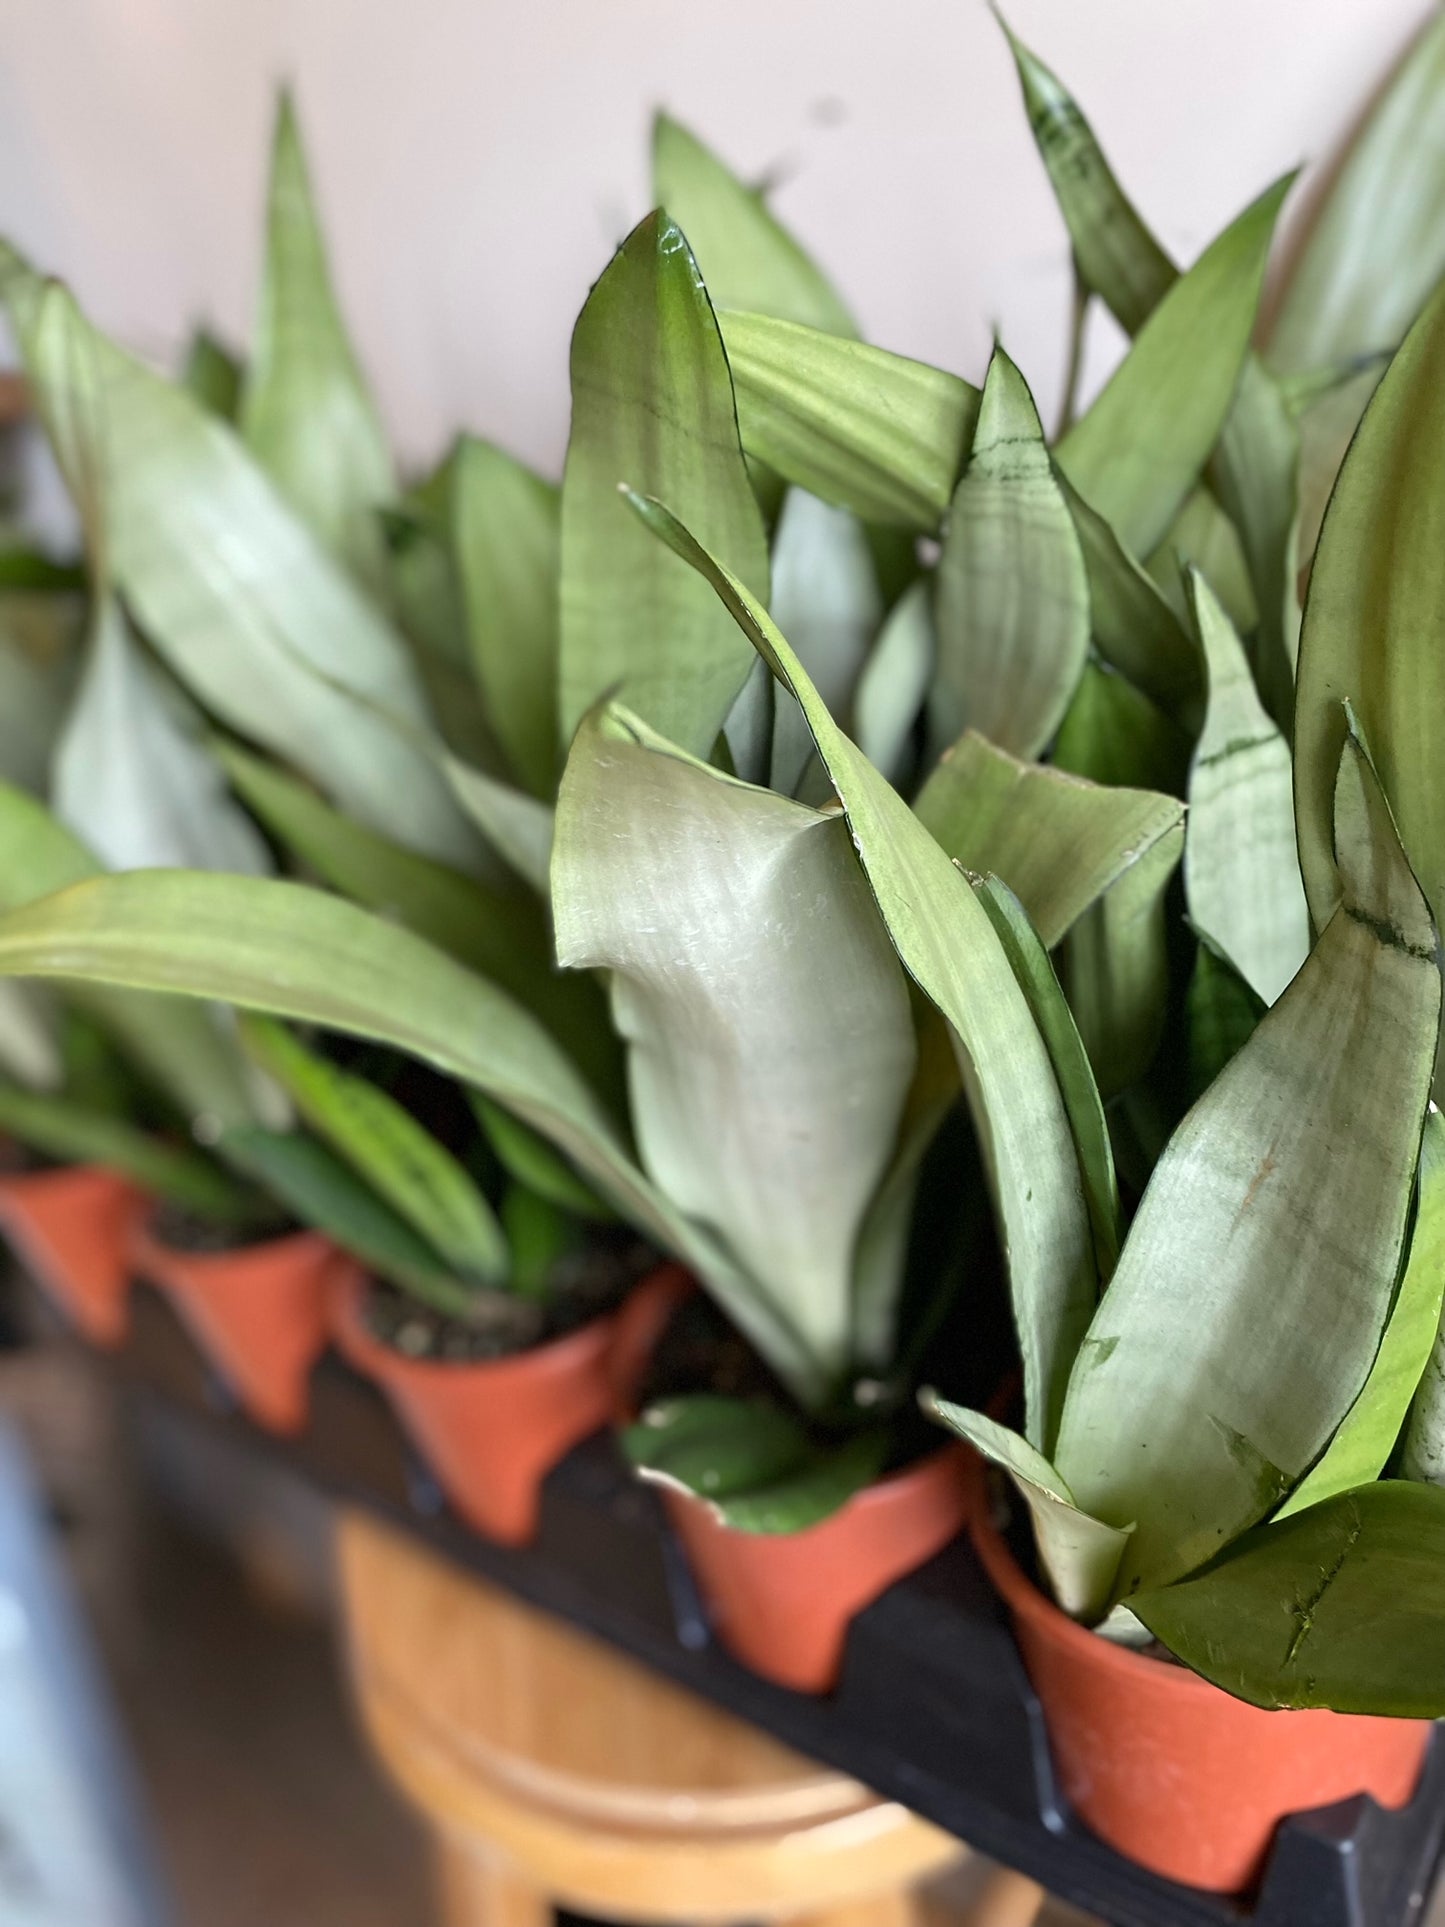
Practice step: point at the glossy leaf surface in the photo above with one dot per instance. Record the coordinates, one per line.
(1140, 448)
(1058, 841)
(237, 596)
(1339, 1606)
(652, 406)
(947, 943)
(1012, 600)
(770, 1046)
(1241, 868)
(1250, 1299)
(868, 430)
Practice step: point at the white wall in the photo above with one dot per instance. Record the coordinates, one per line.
(477, 159)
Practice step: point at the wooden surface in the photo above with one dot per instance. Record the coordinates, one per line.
(552, 1768)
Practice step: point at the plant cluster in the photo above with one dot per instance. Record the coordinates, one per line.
(848, 834)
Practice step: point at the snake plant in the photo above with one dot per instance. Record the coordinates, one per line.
(913, 836)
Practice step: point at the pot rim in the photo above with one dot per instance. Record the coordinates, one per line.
(146, 1243)
(903, 1483)
(1028, 1602)
(552, 1357)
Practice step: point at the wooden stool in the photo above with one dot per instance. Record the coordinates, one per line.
(555, 1772)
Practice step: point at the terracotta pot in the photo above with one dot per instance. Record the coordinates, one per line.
(73, 1229)
(261, 1313)
(1172, 1771)
(782, 1602)
(493, 1430)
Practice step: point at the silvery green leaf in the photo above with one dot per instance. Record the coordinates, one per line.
(652, 407)
(1248, 1305)
(1241, 868)
(1080, 1555)
(748, 259)
(131, 778)
(1012, 601)
(868, 430)
(516, 824)
(186, 1053)
(1114, 734)
(1257, 475)
(1116, 254)
(1372, 255)
(948, 945)
(506, 527)
(291, 951)
(1376, 246)
(747, 735)
(423, 585)
(1115, 964)
(503, 934)
(232, 590)
(1362, 1446)
(1372, 622)
(1115, 968)
(1140, 448)
(1058, 841)
(1080, 1093)
(895, 683)
(305, 413)
(770, 1040)
(1118, 257)
(825, 596)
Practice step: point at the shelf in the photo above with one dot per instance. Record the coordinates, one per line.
(933, 1708)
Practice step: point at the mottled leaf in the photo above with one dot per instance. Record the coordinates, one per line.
(770, 1040)
(871, 431)
(1057, 841)
(652, 406)
(1249, 1302)
(1012, 601)
(1241, 869)
(947, 943)
(1137, 452)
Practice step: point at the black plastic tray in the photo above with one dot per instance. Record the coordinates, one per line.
(933, 1709)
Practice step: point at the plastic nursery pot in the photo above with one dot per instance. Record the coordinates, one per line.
(261, 1313)
(782, 1603)
(1172, 1771)
(73, 1228)
(492, 1430)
